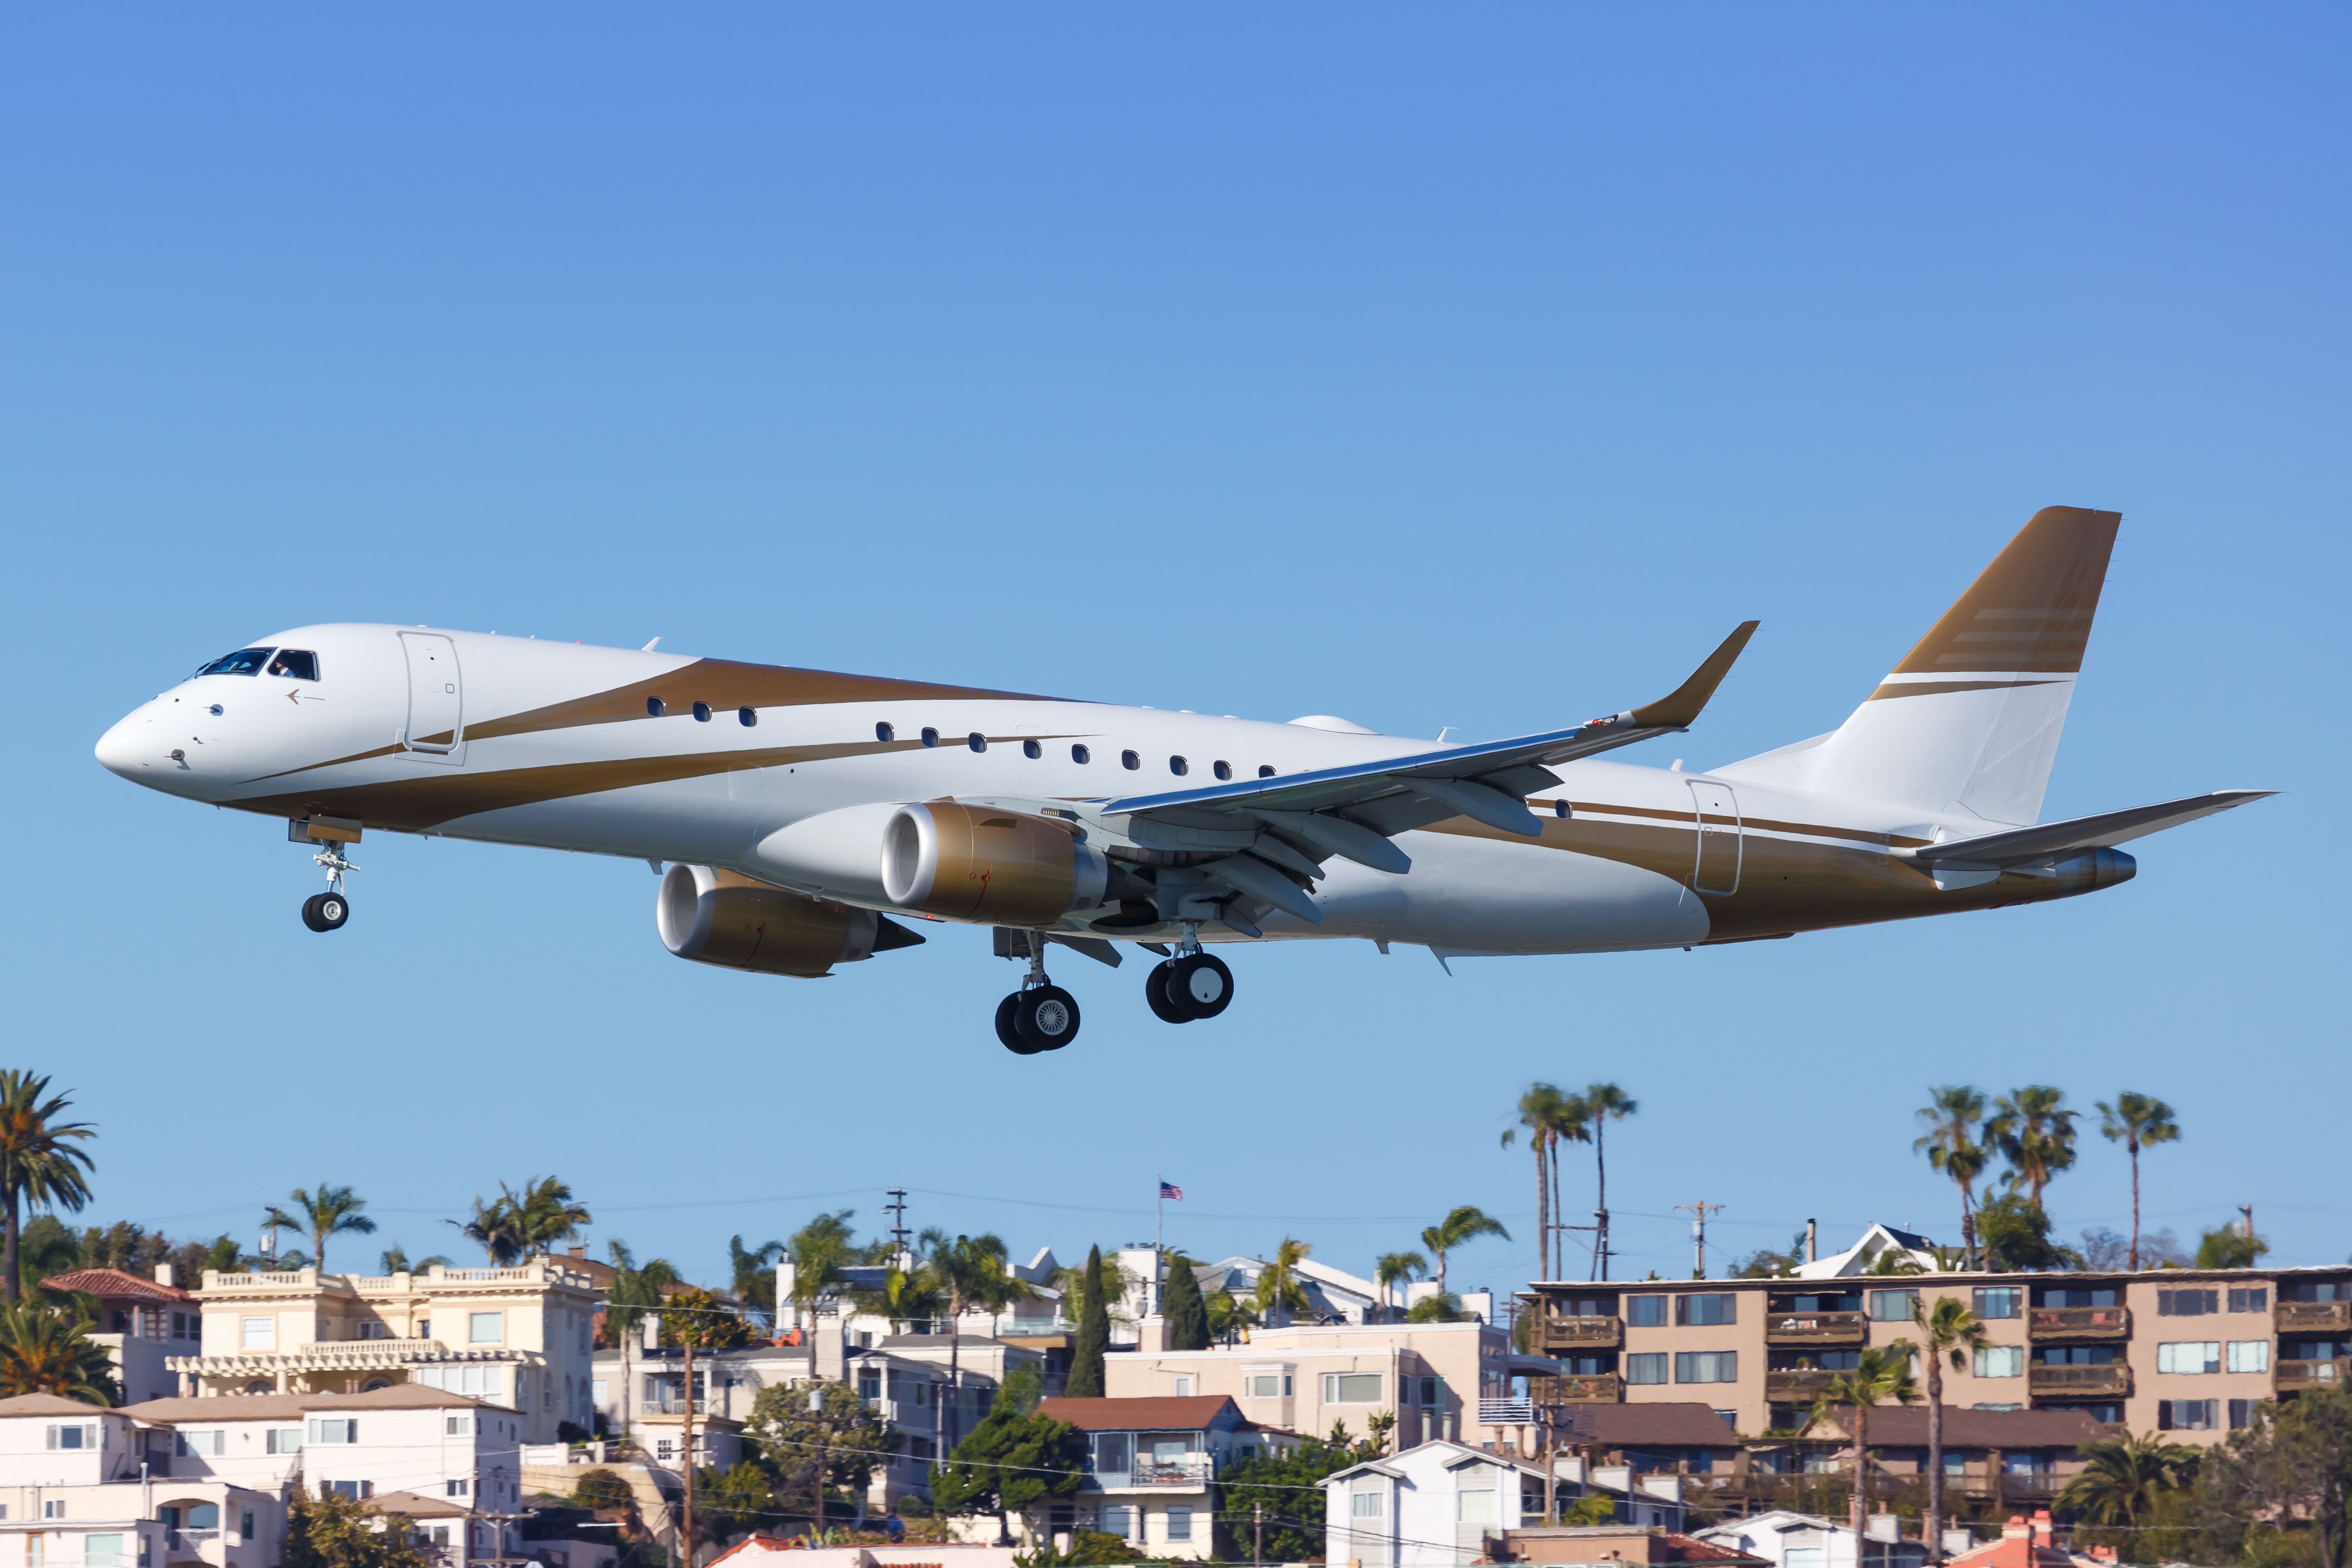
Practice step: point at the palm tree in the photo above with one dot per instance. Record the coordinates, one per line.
(330, 1211)
(971, 1271)
(1949, 1332)
(1396, 1268)
(2126, 1481)
(753, 1270)
(2137, 1121)
(496, 1228)
(1548, 1118)
(634, 1293)
(40, 1167)
(1950, 1144)
(395, 1261)
(1460, 1225)
(544, 1214)
(1602, 1102)
(819, 1251)
(1880, 1374)
(2035, 1133)
(1280, 1288)
(44, 1351)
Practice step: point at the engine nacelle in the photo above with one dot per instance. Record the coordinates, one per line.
(992, 866)
(2087, 873)
(718, 917)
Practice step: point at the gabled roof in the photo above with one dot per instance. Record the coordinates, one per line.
(293, 1406)
(1454, 1455)
(47, 1404)
(416, 1505)
(1877, 1241)
(115, 1285)
(1163, 1412)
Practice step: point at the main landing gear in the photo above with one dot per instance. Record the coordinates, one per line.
(330, 909)
(1041, 1016)
(1192, 984)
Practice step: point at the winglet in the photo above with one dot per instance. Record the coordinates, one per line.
(1677, 709)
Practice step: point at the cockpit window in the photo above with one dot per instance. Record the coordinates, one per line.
(244, 661)
(296, 663)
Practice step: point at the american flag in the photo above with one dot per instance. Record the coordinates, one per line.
(1170, 1189)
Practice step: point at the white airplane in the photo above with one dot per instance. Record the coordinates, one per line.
(796, 810)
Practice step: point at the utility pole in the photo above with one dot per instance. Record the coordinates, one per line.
(1699, 1211)
(1257, 1535)
(816, 1486)
(897, 1209)
(687, 1334)
(2248, 1210)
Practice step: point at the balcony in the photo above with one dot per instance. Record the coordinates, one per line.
(2304, 1317)
(2078, 1382)
(2077, 1325)
(1816, 1328)
(2297, 1374)
(1578, 1388)
(1188, 1471)
(1506, 1412)
(1800, 1385)
(1578, 1333)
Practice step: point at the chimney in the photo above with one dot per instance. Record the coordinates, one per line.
(1812, 1251)
(163, 1274)
(2043, 1534)
(2016, 1529)
(581, 1251)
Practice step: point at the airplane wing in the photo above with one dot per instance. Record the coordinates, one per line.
(1276, 832)
(2022, 845)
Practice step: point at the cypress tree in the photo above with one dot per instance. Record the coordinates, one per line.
(1187, 1313)
(1086, 1380)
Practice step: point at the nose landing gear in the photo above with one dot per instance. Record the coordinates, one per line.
(330, 909)
(1193, 984)
(1041, 1016)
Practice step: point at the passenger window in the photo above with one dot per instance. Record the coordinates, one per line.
(1179, 766)
(702, 712)
(244, 661)
(884, 731)
(295, 664)
(930, 736)
(747, 717)
(1130, 761)
(1263, 772)
(1031, 750)
(1223, 770)
(1080, 754)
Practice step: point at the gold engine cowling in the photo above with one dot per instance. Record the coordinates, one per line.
(982, 863)
(718, 917)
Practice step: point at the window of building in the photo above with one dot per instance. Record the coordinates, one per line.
(336, 1430)
(454, 1488)
(2189, 1356)
(1998, 1301)
(1584, 1306)
(357, 1492)
(260, 1334)
(1956, 1463)
(456, 1426)
(1892, 1306)
(1646, 1367)
(1476, 1505)
(869, 1384)
(210, 1442)
(2187, 1303)
(2250, 1299)
(2187, 1415)
(1183, 1386)
(1113, 1453)
(1361, 1505)
(79, 1436)
(2000, 1361)
(282, 1440)
(1352, 1388)
(1817, 1301)
(2074, 1355)
(1981, 1407)
(1265, 1385)
(2241, 1413)
(2315, 1291)
(1705, 1311)
(1118, 1519)
(2063, 1296)
(101, 1551)
(486, 1328)
(1431, 1394)
(53, 1508)
(2025, 1463)
(1180, 1523)
(1706, 1366)
(1646, 1312)
(2249, 1355)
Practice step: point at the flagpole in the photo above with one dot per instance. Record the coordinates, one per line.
(1158, 1240)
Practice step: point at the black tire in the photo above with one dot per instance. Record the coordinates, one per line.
(326, 911)
(1201, 984)
(1155, 993)
(1047, 1018)
(1006, 1032)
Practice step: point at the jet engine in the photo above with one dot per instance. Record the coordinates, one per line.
(718, 917)
(996, 867)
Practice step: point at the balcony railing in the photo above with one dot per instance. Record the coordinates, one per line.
(2294, 1315)
(1578, 1388)
(1505, 1412)
(1816, 1328)
(2294, 1375)
(2078, 1323)
(1578, 1333)
(2065, 1381)
(1191, 1470)
(1796, 1386)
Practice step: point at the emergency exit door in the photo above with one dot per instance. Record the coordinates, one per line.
(1717, 869)
(437, 710)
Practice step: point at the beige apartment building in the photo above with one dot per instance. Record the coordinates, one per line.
(518, 1336)
(2185, 1351)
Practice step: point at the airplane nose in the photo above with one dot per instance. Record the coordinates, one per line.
(130, 749)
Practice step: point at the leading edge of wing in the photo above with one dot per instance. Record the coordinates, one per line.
(1672, 712)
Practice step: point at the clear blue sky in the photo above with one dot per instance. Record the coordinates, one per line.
(1430, 367)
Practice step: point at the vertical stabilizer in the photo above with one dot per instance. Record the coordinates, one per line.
(1969, 723)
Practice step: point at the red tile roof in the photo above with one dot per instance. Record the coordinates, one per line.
(115, 1285)
(2023, 1543)
(1165, 1412)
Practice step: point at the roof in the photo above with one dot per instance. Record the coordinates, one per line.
(1671, 1545)
(1674, 1426)
(417, 1505)
(287, 1406)
(1905, 1425)
(115, 1284)
(2023, 1543)
(46, 1405)
(1168, 1413)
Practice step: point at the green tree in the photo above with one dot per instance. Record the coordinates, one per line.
(497, 1228)
(754, 1273)
(2137, 1121)
(1229, 1318)
(2015, 1235)
(1086, 1378)
(603, 1491)
(972, 1272)
(1951, 1115)
(1948, 1331)
(395, 1261)
(1881, 1375)
(1603, 1102)
(1461, 1226)
(1397, 1268)
(905, 1297)
(1280, 1291)
(733, 1501)
(1011, 1463)
(333, 1531)
(2291, 1465)
(1443, 1307)
(696, 1317)
(42, 1166)
(49, 1247)
(1184, 1308)
(1287, 1488)
(47, 1350)
(330, 1211)
(2228, 1247)
(544, 1214)
(634, 1292)
(820, 1250)
(852, 1437)
(2033, 1131)
(2127, 1482)
(1549, 1117)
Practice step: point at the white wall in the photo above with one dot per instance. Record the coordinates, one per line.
(27, 1459)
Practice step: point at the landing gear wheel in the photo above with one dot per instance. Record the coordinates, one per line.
(1201, 984)
(326, 911)
(1046, 1017)
(1155, 993)
(1005, 1030)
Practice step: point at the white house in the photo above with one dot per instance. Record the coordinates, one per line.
(1151, 1464)
(72, 1496)
(1789, 1539)
(1435, 1505)
(1877, 1242)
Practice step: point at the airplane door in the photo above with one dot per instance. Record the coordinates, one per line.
(1717, 869)
(436, 695)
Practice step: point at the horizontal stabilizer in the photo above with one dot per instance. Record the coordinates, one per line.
(2022, 845)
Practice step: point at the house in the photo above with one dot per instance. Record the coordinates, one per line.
(2024, 1543)
(1606, 1545)
(142, 1323)
(1995, 1457)
(1788, 1540)
(1150, 1464)
(71, 1492)
(1883, 1247)
(1431, 1505)
(755, 1551)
